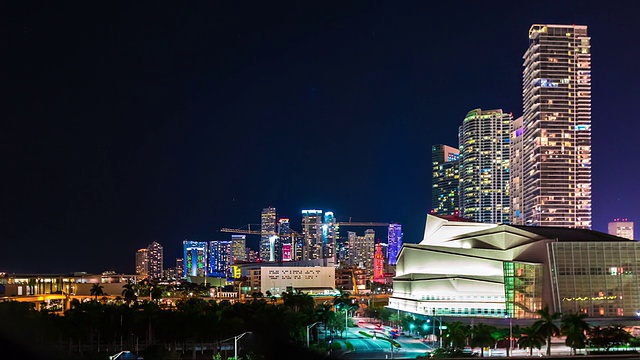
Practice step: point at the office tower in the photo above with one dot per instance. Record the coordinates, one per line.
(378, 264)
(516, 191)
(156, 261)
(238, 246)
(286, 240)
(484, 166)
(342, 254)
(220, 258)
(361, 250)
(394, 241)
(311, 234)
(621, 228)
(275, 249)
(142, 263)
(195, 258)
(557, 127)
(329, 236)
(267, 229)
(445, 180)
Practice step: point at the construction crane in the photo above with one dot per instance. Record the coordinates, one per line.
(248, 231)
(362, 223)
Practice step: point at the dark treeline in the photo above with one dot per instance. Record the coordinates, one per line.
(191, 328)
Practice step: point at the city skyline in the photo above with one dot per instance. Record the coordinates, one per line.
(132, 131)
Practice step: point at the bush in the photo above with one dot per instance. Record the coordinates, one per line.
(349, 346)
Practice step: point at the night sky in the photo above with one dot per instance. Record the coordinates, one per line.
(128, 123)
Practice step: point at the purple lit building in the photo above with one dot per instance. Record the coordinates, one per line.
(395, 242)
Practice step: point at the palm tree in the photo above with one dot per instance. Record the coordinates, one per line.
(481, 337)
(609, 336)
(456, 335)
(575, 328)
(129, 293)
(530, 339)
(96, 290)
(545, 326)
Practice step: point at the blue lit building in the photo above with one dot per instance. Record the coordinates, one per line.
(220, 258)
(195, 257)
(395, 242)
(329, 236)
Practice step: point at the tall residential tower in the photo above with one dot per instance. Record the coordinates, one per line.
(445, 180)
(556, 129)
(484, 166)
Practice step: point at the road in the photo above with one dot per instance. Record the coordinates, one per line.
(369, 348)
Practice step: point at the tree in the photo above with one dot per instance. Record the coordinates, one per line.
(129, 294)
(96, 290)
(609, 336)
(481, 336)
(456, 335)
(545, 326)
(530, 339)
(575, 329)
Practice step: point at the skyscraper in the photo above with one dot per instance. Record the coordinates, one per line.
(238, 246)
(142, 263)
(329, 236)
(156, 260)
(622, 228)
(516, 191)
(556, 131)
(267, 229)
(394, 240)
(484, 166)
(286, 240)
(445, 180)
(195, 257)
(361, 250)
(220, 258)
(311, 234)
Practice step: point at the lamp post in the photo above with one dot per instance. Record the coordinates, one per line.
(506, 315)
(235, 343)
(309, 328)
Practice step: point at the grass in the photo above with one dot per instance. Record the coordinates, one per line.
(349, 346)
(393, 342)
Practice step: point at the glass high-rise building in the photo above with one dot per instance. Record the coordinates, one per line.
(267, 230)
(394, 240)
(556, 129)
(329, 236)
(238, 247)
(220, 258)
(156, 261)
(484, 166)
(286, 239)
(312, 234)
(445, 180)
(195, 258)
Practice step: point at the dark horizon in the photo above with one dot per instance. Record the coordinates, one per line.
(132, 123)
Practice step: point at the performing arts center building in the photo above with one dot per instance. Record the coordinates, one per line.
(469, 270)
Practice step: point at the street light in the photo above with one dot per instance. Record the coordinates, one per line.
(308, 328)
(506, 315)
(235, 343)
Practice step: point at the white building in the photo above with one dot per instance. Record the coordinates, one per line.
(556, 129)
(622, 228)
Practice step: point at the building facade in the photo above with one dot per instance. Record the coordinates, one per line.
(142, 263)
(556, 129)
(267, 230)
(238, 246)
(361, 250)
(220, 258)
(156, 261)
(622, 228)
(445, 180)
(484, 166)
(195, 258)
(329, 236)
(465, 269)
(516, 191)
(286, 239)
(312, 234)
(394, 242)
